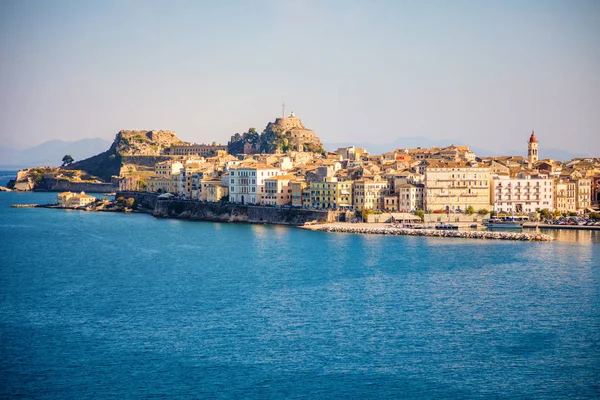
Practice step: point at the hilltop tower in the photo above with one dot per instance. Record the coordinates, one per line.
(532, 149)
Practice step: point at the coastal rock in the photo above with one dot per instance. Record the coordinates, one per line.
(388, 230)
(4, 189)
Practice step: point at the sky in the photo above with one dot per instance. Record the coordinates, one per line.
(482, 73)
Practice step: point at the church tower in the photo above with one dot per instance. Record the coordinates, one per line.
(532, 149)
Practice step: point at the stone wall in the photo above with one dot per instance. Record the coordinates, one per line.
(287, 216)
(61, 185)
(225, 212)
(144, 199)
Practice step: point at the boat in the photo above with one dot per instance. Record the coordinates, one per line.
(445, 226)
(509, 222)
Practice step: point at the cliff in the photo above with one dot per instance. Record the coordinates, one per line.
(131, 147)
(58, 180)
(285, 134)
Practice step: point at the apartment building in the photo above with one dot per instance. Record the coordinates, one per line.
(247, 184)
(524, 194)
(454, 186)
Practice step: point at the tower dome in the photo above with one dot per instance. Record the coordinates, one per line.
(532, 138)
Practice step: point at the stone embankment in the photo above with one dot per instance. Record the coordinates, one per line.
(388, 230)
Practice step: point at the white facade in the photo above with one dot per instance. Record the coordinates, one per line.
(525, 194)
(410, 197)
(247, 184)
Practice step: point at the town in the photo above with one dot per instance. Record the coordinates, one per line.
(416, 180)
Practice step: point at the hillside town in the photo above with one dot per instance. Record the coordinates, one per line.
(452, 179)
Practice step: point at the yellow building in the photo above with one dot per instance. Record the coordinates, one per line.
(370, 194)
(63, 198)
(573, 196)
(331, 194)
(298, 187)
(565, 196)
(164, 184)
(454, 186)
(278, 190)
(70, 199)
(213, 190)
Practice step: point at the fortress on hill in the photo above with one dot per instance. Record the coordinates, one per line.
(285, 134)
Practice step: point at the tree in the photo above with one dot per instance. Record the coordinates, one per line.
(470, 210)
(557, 214)
(420, 214)
(545, 214)
(483, 211)
(130, 202)
(67, 160)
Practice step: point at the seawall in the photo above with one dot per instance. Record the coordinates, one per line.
(225, 212)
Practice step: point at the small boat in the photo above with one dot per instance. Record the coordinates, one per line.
(445, 226)
(505, 222)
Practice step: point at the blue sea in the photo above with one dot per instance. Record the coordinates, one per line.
(108, 305)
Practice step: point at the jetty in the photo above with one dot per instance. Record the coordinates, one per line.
(396, 231)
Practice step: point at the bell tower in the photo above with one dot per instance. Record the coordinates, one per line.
(532, 149)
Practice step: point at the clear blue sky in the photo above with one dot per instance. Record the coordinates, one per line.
(480, 72)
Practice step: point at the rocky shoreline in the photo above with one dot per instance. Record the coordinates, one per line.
(389, 230)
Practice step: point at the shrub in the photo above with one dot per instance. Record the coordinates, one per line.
(483, 211)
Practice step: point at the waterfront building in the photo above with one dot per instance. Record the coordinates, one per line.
(63, 198)
(583, 189)
(573, 196)
(454, 186)
(565, 197)
(410, 197)
(532, 150)
(278, 191)
(204, 150)
(70, 199)
(369, 194)
(213, 190)
(524, 194)
(331, 193)
(247, 183)
(297, 189)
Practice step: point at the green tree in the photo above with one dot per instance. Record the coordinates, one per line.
(67, 160)
(545, 214)
(420, 214)
(483, 211)
(470, 210)
(557, 214)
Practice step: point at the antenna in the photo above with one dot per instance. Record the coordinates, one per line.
(282, 109)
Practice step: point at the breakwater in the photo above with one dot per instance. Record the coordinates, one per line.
(388, 230)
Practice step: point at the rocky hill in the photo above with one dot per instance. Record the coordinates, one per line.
(285, 134)
(131, 147)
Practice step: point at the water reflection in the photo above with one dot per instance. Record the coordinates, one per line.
(572, 235)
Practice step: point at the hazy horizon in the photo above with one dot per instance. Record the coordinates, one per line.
(484, 74)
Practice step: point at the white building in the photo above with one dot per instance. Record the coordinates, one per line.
(524, 194)
(247, 184)
(410, 197)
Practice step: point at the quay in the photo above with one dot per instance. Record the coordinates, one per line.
(533, 225)
(382, 229)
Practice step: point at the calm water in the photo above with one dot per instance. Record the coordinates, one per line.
(102, 305)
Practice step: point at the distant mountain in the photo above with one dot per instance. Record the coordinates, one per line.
(413, 142)
(50, 153)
